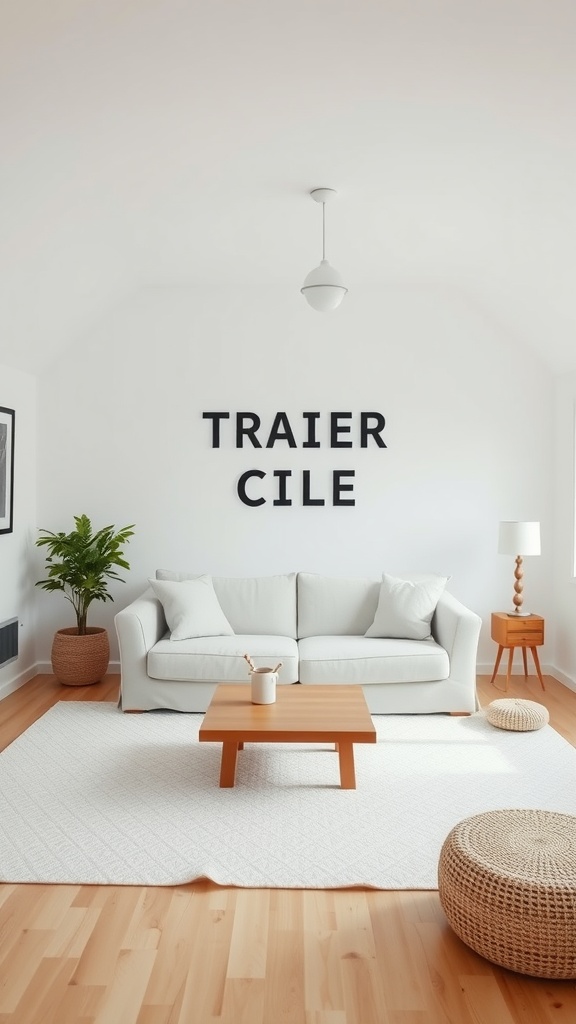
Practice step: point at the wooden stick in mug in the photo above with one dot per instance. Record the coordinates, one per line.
(279, 665)
(250, 662)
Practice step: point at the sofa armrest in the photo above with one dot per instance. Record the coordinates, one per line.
(138, 627)
(457, 629)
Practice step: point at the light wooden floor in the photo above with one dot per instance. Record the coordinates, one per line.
(197, 954)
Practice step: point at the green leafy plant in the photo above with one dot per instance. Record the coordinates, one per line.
(80, 563)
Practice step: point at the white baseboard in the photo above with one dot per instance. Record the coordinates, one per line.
(547, 670)
(561, 677)
(41, 667)
(46, 667)
(10, 685)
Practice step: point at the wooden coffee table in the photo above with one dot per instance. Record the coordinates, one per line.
(300, 714)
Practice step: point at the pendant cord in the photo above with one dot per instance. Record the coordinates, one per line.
(323, 231)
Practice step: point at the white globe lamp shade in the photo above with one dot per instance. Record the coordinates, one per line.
(323, 288)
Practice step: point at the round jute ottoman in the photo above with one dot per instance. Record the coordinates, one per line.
(516, 714)
(507, 884)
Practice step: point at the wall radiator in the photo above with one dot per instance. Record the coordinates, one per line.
(8, 640)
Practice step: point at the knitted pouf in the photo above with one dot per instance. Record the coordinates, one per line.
(507, 884)
(518, 715)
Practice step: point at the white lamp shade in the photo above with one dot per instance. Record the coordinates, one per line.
(519, 539)
(323, 288)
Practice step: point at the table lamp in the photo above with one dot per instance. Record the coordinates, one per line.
(519, 539)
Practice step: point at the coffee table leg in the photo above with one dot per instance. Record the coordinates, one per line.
(228, 765)
(346, 758)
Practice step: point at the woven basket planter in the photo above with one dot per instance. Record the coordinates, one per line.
(80, 660)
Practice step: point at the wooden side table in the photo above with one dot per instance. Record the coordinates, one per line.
(511, 631)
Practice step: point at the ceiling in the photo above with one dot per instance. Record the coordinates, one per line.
(160, 142)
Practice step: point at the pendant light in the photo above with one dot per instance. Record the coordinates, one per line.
(323, 288)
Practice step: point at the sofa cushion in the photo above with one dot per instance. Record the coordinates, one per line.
(358, 659)
(221, 658)
(191, 608)
(265, 605)
(405, 607)
(330, 606)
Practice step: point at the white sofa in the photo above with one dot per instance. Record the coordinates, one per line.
(315, 626)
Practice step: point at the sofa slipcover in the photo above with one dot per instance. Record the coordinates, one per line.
(315, 626)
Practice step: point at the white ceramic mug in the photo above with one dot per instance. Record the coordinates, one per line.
(263, 685)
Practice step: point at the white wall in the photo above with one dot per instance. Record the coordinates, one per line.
(469, 436)
(18, 392)
(564, 521)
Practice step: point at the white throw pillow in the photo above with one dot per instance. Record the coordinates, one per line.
(263, 605)
(405, 607)
(191, 608)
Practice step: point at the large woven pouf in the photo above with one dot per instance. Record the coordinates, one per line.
(517, 714)
(507, 884)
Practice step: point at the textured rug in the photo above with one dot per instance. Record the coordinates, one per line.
(90, 795)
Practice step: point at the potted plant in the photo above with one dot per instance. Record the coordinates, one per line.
(80, 564)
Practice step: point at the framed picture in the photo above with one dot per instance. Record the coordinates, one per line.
(6, 470)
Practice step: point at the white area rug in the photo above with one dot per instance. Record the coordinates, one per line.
(90, 795)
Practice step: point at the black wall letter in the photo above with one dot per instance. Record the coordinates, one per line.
(375, 431)
(250, 430)
(311, 417)
(338, 487)
(276, 434)
(282, 475)
(306, 499)
(215, 417)
(253, 502)
(337, 428)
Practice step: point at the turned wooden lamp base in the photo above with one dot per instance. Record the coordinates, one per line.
(517, 600)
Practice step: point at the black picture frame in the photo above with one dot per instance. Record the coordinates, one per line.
(7, 422)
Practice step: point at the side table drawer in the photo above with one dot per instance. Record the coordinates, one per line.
(517, 632)
(527, 638)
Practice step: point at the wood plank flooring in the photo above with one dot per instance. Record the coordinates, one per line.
(201, 954)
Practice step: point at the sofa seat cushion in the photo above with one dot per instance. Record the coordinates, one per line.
(359, 659)
(221, 658)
